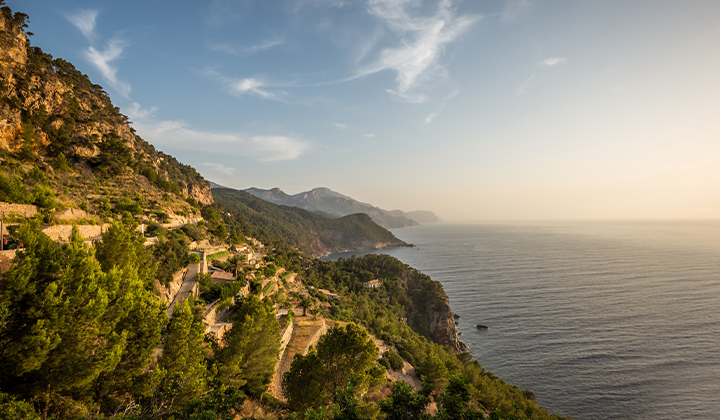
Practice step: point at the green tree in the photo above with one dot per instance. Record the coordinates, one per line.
(121, 247)
(342, 352)
(346, 404)
(456, 401)
(305, 303)
(235, 264)
(405, 403)
(73, 330)
(433, 370)
(62, 330)
(12, 409)
(183, 358)
(248, 352)
(304, 383)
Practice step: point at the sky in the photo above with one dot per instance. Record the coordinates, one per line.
(475, 109)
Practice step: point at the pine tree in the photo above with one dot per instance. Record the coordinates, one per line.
(184, 357)
(60, 334)
(248, 353)
(73, 333)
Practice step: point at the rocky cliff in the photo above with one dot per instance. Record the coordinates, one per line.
(48, 108)
(441, 324)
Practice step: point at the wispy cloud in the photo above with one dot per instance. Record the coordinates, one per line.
(245, 51)
(84, 20)
(252, 86)
(369, 135)
(553, 61)
(103, 61)
(421, 42)
(177, 134)
(220, 168)
(301, 4)
(431, 116)
(341, 126)
(548, 62)
(515, 8)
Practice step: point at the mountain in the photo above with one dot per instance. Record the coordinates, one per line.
(312, 233)
(57, 124)
(420, 216)
(333, 203)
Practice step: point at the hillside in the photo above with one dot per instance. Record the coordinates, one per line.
(310, 232)
(191, 320)
(329, 202)
(53, 118)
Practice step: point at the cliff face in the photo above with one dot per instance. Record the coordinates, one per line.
(441, 324)
(47, 107)
(431, 314)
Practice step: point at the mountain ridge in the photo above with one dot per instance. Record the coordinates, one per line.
(330, 202)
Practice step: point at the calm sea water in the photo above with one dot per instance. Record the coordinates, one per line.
(600, 320)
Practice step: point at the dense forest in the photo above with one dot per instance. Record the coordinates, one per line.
(313, 233)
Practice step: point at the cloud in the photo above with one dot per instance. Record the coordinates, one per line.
(85, 21)
(253, 86)
(136, 111)
(341, 126)
(422, 41)
(244, 52)
(548, 62)
(178, 135)
(515, 8)
(103, 61)
(220, 168)
(369, 135)
(301, 4)
(440, 108)
(276, 148)
(553, 61)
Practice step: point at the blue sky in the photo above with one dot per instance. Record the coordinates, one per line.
(477, 110)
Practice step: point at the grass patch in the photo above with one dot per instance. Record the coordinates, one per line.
(217, 255)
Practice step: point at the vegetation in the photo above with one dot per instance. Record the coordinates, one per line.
(312, 233)
(83, 334)
(53, 139)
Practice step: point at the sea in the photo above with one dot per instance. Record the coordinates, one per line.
(601, 320)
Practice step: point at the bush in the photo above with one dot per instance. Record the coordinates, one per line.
(127, 205)
(392, 359)
(43, 197)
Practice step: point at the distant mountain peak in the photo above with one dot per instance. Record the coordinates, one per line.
(328, 202)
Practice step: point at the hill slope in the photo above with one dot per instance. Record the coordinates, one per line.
(335, 204)
(54, 118)
(310, 232)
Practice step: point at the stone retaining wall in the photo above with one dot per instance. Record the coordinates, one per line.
(22, 210)
(285, 339)
(316, 337)
(61, 233)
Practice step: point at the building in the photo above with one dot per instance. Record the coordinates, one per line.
(221, 276)
(372, 284)
(328, 294)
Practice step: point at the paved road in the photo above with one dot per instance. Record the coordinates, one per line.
(188, 284)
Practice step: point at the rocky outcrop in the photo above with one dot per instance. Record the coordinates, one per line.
(201, 193)
(441, 325)
(47, 107)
